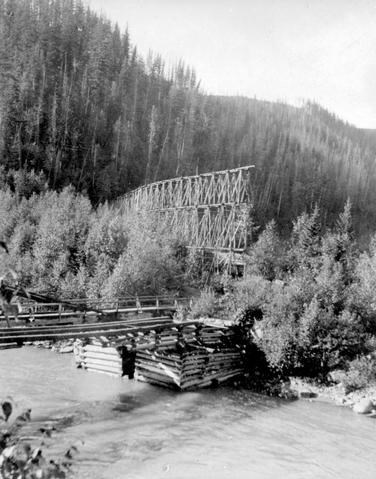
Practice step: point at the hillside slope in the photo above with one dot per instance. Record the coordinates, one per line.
(80, 105)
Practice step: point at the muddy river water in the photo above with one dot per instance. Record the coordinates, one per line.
(132, 430)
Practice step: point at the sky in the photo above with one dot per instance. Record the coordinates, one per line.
(289, 50)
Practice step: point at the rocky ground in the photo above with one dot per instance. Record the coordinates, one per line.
(63, 346)
(361, 401)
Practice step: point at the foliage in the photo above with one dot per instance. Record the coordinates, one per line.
(21, 459)
(149, 264)
(363, 289)
(305, 240)
(266, 254)
(206, 305)
(360, 373)
(319, 313)
(59, 244)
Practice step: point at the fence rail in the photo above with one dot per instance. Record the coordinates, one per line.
(32, 310)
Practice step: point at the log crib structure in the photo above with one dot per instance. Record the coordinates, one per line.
(182, 356)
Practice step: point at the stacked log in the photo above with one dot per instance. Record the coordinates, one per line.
(182, 356)
(202, 356)
(102, 359)
(188, 370)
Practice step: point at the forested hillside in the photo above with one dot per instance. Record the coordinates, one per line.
(79, 106)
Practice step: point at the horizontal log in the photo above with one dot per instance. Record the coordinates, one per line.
(157, 359)
(106, 364)
(153, 375)
(158, 368)
(219, 377)
(113, 369)
(140, 377)
(162, 371)
(199, 383)
(103, 350)
(105, 357)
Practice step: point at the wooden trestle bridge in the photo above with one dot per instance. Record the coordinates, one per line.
(210, 211)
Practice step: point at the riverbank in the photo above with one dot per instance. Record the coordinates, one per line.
(361, 401)
(125, 428)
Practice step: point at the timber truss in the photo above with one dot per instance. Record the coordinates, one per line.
(210, 210)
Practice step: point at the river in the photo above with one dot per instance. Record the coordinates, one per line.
(132, 430)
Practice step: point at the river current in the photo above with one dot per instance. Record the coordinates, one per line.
(131, 430)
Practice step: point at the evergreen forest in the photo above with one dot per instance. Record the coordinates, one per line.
(79, 106)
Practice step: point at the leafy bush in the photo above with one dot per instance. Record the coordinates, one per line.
(279, 327)
(360, 373)
(149, 264)
(20, 459)
(206, 305)
(266, 254)
(310, 322)
(246, 294)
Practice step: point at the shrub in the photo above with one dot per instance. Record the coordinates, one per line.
(279, 327)
(305, 241)
(246, 295)
(266, 254)
(206, 305)
(149, 264)
(360, 373)
(328, 340)
(20, 459)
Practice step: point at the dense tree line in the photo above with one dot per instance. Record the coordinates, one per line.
(80, 106)
(59, 244)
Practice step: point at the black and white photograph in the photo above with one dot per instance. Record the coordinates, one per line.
(187, 239)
